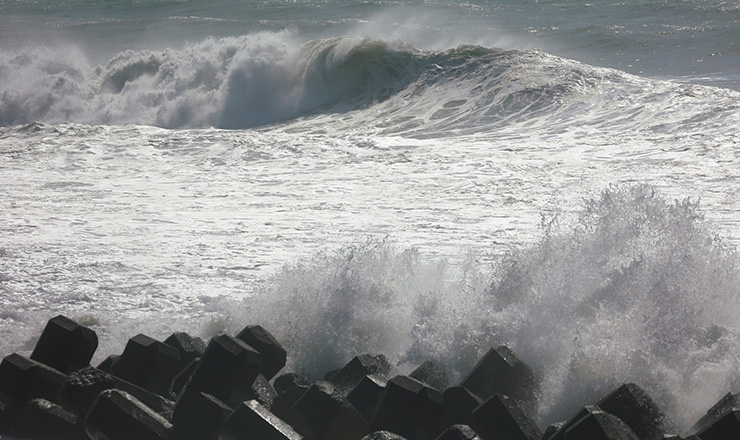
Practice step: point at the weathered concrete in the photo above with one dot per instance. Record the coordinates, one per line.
(226, 371)
(501, 417)
(82, 388)
(600, 425)
(117, 415)
(366, 396)
(199, 416)
(65, 345)
(40, 419)
(431, 374)
(148, 363)
(408, 408)
(459, 432)
(323, 412)
(273, 354)
(189, 347)
(637, 409)
(358, 367)
(727, 427)
(500, 371)
(22, 379)
(251, 421)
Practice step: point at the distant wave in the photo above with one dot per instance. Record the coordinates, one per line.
(229, 83)
(267, 78)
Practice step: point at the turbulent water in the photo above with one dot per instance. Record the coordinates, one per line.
(421, 179)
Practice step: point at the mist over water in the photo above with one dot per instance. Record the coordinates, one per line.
(631, 288)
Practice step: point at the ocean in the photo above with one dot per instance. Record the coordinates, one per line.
(422, 179)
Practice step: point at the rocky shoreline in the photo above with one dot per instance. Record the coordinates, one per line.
(234, 388)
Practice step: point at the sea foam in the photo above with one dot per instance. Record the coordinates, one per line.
(633, 288)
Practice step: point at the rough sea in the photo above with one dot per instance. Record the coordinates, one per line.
(423, 179)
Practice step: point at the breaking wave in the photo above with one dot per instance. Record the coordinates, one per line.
(377, 87)
(633, 288)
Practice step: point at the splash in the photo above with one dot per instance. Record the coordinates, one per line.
(636, 289)
(633, 288)
(359, 296)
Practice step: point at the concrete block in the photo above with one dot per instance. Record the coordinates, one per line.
(500, 371)
(273, 354)
(557, 431)
(108, 362)
(459, 432)
(329, 374)
(182, 378)
(459, 404)
(82, 388)
(226, 371)
(199, 416)
(282, 405)
(262, 391)
(725, 404)
(501, 417)
(358, 367)
(323, 412)
(149, 364)
(5, 419)
(727, 427)
(289, 380)
(40, 419)
(366, 396)
(552, 429)
(65, 345)
(251, 420)
(431, 374)
(383, 435)
(188, 346)
(600, 425)
(408, 408)
(22, 379)
(117, 415)
(637, 409)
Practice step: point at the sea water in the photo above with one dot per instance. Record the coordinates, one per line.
(419, 179)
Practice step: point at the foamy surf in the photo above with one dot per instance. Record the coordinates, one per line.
(636, 288)
(269, 78)
(621, 295)
(161, 162)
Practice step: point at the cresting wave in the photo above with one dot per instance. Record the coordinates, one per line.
(635, 288)
(266, 78)
(228, 83)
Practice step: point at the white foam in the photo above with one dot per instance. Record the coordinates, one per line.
(637, 290)
(378, 87)
(232, 82)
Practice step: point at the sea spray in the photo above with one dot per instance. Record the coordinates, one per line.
(632, 288)
(361, 296)
(637, 289)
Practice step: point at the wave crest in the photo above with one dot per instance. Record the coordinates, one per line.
(266, 78)
(230, 83)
